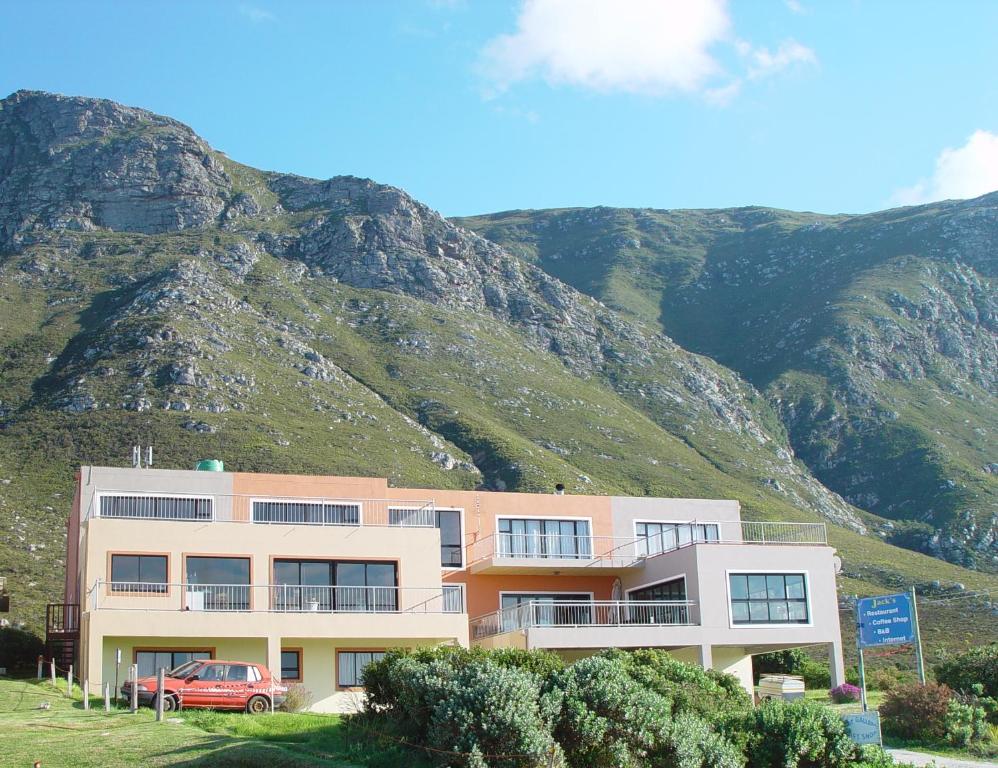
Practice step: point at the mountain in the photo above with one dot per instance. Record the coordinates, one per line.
(154, 291)
(874, 338)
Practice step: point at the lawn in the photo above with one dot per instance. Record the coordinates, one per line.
(67, 735)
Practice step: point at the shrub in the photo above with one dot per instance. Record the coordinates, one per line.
(845, 693)
(19, 648)
(297, 699)
(965, 723)
(887, 678)
(978, 666)
(714, 696)
(916, 711)
(607, 718)
(692, 743)
(796, 734)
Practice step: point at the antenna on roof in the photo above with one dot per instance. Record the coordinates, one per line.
(148, 455)
(137, 456)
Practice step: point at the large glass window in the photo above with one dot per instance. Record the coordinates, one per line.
(331, 585)
(156, 507)
(664, 537)
(546, 538)
(306, 512)
(138, 573)
(768, 598)
(671, 591)
(151, 661)
(350, 666)
(218, 583)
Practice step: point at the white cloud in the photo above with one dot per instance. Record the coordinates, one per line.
(256, 14)
(794, 6)
(964, 172)
(764, 63)
(651, 47)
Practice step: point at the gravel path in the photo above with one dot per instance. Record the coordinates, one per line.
(920, 758)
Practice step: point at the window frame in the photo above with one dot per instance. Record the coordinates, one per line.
(646, 521)
(340, 686)
(99, 496)
(110, 592)
(732, 624)
(300, 653)
(210, 650)
(658, 582)
(544, 518)
(396, 594)
(315, 502)
(222, 556)
(402, 507)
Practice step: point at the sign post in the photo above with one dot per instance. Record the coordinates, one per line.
(886, 620)
(918, 639)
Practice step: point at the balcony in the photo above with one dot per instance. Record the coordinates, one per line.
(540, 553)
(272, 598)
(594, 624)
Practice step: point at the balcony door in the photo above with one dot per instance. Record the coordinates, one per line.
(545, 609)
(544, 538)
(335, 585)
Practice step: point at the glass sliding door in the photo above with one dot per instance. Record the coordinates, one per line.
(544, 538)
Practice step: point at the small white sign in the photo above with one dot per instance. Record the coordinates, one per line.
(864, 728)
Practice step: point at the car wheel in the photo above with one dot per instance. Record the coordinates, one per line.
(257, 705)
(169, 703)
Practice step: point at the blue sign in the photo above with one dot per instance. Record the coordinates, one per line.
(885, 620)
(864, 728)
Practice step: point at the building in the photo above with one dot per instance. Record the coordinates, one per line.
(314, 576)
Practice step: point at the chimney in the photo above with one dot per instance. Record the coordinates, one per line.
(559, 489)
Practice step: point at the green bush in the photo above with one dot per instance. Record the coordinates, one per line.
(19, 648)
(916, 711)
(689, 688)
(976, 667)
(798, 734)
(692, 743)
(607, 718)
(965, 723)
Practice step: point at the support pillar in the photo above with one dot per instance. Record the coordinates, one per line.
(836, 664)
(274, 656)
(705, 656)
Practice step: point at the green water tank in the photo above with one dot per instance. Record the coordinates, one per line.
(210, 465)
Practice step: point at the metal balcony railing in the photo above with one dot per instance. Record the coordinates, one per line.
(600, 613)
(275, 598)
(260, 509)
(619, 552)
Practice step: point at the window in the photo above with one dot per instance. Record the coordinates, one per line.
(675, 589)
(331, 585)
(306, 512)
(237, 673)
(151, 661)
(453, 598)
(350, 666)
(516, 614)
(291, 664)
(544, 538)
(451, 546)
(671, 591)
(448, 521)
(139, 573)
(212, 672)
(664, 537)
(768, 598)
(218, 583)
(156, 507)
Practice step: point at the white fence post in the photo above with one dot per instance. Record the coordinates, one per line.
(133, 675)
(69, 681)
(52, 665)
(107, 697)
(86, 695)
(41, 664)
(160, 685)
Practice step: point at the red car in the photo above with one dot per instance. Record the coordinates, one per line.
(213, 683)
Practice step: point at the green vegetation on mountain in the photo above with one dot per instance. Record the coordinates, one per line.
(152, 291)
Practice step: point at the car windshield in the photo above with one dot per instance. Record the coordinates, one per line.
(184, 669)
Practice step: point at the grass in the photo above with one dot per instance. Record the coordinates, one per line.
(67, 735)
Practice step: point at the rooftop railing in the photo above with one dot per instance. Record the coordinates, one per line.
(600, 613)
(261, 509)
(610, 551)
(273, 598)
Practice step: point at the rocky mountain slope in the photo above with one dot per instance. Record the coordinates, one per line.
(152, 290)
(875, 338)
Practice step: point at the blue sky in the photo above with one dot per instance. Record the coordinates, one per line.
(837, 106)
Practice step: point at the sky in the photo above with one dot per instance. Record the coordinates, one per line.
(476, 106)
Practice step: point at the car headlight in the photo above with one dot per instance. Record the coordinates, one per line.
(141, 688)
